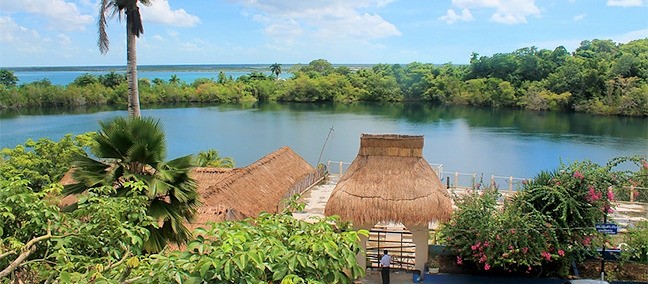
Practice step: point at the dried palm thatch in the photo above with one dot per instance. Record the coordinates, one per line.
(235, 194)
(390, 181)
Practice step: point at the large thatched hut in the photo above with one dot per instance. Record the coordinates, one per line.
(390, 181)
(234, 194)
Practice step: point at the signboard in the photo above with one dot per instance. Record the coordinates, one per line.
(607, 228)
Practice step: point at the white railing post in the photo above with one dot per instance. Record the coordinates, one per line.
(632, 194)
(474, 180)
(492, 183)
(511, 183)
(456, 180)
(340, 168)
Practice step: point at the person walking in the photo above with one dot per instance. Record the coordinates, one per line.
(385, 262)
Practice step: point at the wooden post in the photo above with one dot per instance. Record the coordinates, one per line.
(632, 194)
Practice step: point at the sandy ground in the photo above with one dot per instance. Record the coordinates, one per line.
(396, 277)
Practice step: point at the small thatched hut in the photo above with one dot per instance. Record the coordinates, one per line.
(390, 181)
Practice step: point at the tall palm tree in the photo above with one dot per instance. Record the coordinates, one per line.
(211, 158)
(275, 69)
(134, 28)
(134, 149)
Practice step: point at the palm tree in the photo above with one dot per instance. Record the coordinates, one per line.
(275, 69)
(131, 150)
(134, 27)
(174, 79)
(211, 158)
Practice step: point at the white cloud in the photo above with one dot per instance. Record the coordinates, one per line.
(451, 16)
(323, 19)
(506, 11)
(61, 14)
(630, 36)
(19, 38)
(160, 12)
(625, 3)
(579, 17)
(158, 38)
(63, 39)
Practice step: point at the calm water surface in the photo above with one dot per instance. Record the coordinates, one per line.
(501, 142)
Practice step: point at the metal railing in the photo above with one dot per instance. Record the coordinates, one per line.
(505, 184)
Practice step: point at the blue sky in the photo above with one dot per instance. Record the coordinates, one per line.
(64, 32)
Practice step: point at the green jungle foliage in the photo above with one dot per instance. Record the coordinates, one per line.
(600, 76)
(126, 197)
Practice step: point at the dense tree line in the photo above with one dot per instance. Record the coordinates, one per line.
(600, 76)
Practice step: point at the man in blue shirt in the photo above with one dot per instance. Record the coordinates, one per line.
(385, 261)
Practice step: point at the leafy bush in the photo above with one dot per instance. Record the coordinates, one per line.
(268, 249)
(548, 223)
(637, 243)
(499, 238)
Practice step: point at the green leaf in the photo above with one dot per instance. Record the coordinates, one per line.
(65, 277)
(204, 268)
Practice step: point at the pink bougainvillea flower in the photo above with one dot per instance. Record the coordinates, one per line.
(546, 255)
(610, 194)
(510, 247)
(459, 260)
(561, 252)
(578, 175)
(525, 249)
(487, 267)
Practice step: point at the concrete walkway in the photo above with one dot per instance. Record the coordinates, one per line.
(316, 198)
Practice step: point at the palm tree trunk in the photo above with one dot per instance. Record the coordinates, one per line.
(131, 71)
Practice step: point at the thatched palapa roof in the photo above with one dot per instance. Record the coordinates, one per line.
(390, 181)
(234, 194)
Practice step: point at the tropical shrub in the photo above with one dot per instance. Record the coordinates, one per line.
(268, 249)
(44, 161)
(496, 238)
(636, 240)
(39, 243)
(551, 220)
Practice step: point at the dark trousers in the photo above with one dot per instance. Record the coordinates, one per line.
(384, 272)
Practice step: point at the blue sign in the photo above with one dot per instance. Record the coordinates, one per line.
(607, 228)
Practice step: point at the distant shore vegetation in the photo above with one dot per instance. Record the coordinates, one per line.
(600, 77)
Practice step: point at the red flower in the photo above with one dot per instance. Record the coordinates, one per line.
(546, 255)
(561, 252)
(459, 260)
(578, 175)
(487, 267)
